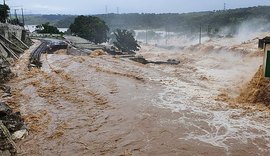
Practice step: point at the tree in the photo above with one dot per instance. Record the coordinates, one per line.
(4, 9)
(47, 29)
(91, 28)
(125, 41)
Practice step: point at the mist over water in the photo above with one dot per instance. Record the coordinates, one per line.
(247, 30)
(235, 34)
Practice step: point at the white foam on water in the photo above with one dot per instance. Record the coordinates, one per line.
(187, 94)
(223, 128)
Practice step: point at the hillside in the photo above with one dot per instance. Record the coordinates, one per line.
(35, 19)
(211, 21)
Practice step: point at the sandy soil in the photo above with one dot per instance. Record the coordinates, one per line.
(80, 105)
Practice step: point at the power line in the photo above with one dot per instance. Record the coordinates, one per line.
(16, 6)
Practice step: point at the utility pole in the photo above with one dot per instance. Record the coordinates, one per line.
(16, 16)
(22, 17)
(200, 40)
(106, 9)
(7, 10)
(224, 6)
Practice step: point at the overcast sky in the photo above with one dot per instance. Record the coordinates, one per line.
(127, 6)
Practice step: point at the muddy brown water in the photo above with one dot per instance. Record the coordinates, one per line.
(78, 105)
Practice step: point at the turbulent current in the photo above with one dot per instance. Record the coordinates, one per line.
(104, 105)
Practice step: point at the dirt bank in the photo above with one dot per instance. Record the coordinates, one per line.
(257, 90)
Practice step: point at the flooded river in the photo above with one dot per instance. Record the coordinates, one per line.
(104, 105)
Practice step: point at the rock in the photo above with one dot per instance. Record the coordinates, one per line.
(4, 110)
(12, 121)
(19, 135)
(5, 73)
(6, 95)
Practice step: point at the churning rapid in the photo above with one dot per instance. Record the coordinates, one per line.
(105, 105)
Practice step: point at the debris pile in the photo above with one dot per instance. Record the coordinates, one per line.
(257, 90)
(139, 59)
(7, 145)
(12, 127)
(142, 60)
(14, 40)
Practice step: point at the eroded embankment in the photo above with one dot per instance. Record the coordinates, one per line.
(257, 90)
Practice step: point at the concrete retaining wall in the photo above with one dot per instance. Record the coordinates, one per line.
(13, 29)
(12, 40)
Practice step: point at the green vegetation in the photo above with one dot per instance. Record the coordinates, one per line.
(125, 41)
(4, 9)
(151, 35)
(91, 28)
(212, 21)
(37, 19)
(47, 29)
(66, 22)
